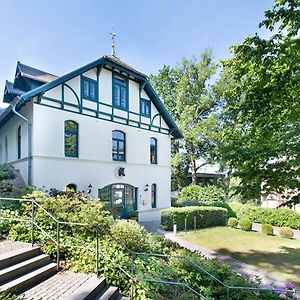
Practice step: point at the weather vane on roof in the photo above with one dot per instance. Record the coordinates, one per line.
(113, 46)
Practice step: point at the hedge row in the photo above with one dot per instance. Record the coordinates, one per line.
(274, 216)
(205, 217)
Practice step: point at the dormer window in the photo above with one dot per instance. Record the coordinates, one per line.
(120, 92)
(89, 89)
(145, 108)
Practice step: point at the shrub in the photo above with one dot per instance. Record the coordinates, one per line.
(245, 224)
(207, 193)
(267, 229)
(273, 216)
(286, 232)
(205, 217)
(233, 222)
(131, 234)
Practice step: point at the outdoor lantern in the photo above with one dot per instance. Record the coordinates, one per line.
(90, 188)
(146, 187)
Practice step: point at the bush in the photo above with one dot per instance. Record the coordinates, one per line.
(273, 216)
(267, 229)
(286, 232)
(131, 234)
(205, 217)
(233, 222)
(245, 224)
(207, 193)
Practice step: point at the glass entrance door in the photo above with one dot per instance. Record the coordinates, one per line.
(118, 200)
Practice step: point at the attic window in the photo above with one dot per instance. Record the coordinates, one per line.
(120, 92)
(89, 89)
(145, 108)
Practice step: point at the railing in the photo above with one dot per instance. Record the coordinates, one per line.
(132, 278)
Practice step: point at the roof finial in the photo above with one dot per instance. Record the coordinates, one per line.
(113, 35)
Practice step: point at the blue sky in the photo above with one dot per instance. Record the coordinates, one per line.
(59, 36)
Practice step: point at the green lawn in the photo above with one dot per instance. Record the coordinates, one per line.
(272, 254)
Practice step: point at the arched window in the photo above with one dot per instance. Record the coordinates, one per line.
(71, 139)
(118, 145)
(153, 150)
(153, 195)
(19, 139)
(72, 186)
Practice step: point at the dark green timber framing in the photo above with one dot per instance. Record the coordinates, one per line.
(115, 65)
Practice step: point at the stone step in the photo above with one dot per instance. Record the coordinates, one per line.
(23, 267)
(111, 293)
(88, 290)
(17, 256)
(30, 279)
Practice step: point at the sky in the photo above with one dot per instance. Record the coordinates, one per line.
(59, 36)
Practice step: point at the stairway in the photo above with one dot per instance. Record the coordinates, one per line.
(24, 268)
(27, 270)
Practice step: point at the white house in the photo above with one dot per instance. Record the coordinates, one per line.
(100, 128)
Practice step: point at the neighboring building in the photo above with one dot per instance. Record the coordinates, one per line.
(100, 128)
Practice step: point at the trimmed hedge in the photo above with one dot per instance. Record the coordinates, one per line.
(267, 229)
(233, 222)
(230, 212)
(245, 224)
(273, 216)
(205, 217)
(286, 232)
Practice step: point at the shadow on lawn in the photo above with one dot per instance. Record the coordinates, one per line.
(286, 261)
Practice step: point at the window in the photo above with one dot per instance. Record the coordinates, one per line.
(19, 139)
(120, 92)
(153, 151)
(145, 108)
(71, 139)
(89, 89)
(153, 195)
(118, 145)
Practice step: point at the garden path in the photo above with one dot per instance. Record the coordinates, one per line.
(238, 266)
(257, 227)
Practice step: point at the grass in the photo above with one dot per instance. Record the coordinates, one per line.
(272, 254)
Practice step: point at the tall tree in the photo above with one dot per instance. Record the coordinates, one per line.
(261, 135)
(187, 93)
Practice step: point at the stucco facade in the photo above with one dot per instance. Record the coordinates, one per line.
(61, 100)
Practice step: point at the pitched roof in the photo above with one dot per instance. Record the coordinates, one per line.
(110, 61)
(35, 74)
(10, 88)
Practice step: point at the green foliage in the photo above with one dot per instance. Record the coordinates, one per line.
(205, 217)
(132, 235)
(267, 229)
(20, 232)
(276, 217)
(7, 172)
(245, 224)
(8, 296)
(260, 137)
(207, 193)
(233, 222)
(286, 232)
(187, 94)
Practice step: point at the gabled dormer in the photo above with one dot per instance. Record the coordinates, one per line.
(10, 92)
(28, 78)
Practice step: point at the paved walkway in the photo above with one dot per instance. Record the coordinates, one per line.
(58, 286)
(8, 246)
(257, 227)
(238, 266)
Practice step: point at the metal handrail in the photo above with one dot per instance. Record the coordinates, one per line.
(228, 287)
(133, 254)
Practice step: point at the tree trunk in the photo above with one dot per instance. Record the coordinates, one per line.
(194, 172)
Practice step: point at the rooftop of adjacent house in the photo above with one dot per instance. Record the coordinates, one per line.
(35, 74)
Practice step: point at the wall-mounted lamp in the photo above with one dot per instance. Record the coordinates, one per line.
(146, 187)
(90, 188)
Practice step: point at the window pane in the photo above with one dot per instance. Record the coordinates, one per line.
(123, 97)
(118, 135)
(118, 145)
(153, 151)
(153, 195)
(71, 139)
(117, 95)
(85, 89)
(92, 90)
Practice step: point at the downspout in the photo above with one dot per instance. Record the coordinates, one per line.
(29, 139)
